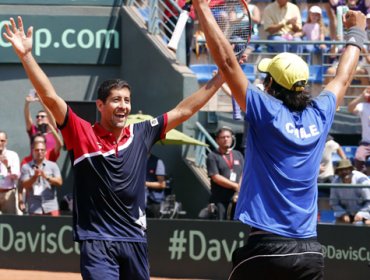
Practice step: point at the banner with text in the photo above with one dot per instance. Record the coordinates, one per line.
(69, 39)
(177, 248)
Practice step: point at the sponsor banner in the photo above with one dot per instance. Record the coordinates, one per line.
(177, 248)
(69, 39)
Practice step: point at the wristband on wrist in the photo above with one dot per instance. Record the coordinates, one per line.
(356, 37)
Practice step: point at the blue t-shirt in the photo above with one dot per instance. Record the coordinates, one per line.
(109, 178)
(279, 187)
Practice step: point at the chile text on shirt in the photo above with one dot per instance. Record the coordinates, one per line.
(301, 132)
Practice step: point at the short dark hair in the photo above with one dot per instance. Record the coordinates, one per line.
(106, 87)
(295, 100)
(38, 134)
(224, 128)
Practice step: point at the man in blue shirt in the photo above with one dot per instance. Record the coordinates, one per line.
(286, 138)
(155, 185)
(109, 161)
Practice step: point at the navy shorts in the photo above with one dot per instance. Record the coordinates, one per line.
(269, 256)
(113, 260)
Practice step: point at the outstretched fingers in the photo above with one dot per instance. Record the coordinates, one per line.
(20, 24)
(14, 26)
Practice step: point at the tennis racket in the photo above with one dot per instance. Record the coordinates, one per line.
(235, 21)
(179, 27)
(233, 17)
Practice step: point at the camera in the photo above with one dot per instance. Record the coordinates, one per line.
(42, 127)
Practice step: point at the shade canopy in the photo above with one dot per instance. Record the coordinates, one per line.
(173, 137)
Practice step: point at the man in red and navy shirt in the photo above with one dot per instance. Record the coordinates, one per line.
(109, 162)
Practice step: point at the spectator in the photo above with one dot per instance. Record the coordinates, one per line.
(282, 21)
(350, 205)
(51, 154)
(9, 174)
(40, 178)
(155, 184)
(314, 30)
(354, 5)
(326, 173)
(44, 121)
(360, 74)
(331, 10)
(361, 106)
(225, 168)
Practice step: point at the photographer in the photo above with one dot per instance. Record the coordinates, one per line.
(45, 123)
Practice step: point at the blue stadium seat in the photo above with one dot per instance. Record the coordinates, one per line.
(204, 72)
(327, 216)
(248, 70)
(315, 74)
(350, 152)
(144, 12)
(335, 159)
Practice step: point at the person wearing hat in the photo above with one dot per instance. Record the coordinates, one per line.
(350, 205)
(314, 30)
(286, 137)
(282, 22)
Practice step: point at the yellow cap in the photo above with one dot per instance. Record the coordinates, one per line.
(286, 69)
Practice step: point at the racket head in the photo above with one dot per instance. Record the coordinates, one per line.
(234, 20)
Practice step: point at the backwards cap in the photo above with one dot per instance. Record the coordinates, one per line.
(286, 69)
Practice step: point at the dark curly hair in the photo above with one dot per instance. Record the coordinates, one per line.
(296, 101)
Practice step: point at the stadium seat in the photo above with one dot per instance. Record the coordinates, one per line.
(204, 72)
(350, 152)
(335, 159)
(315, 74)
(248, 70)
(327, 216)
(144, 12)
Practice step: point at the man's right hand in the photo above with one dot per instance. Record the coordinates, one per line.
(354, 18)
(21, 42)
(30, 99)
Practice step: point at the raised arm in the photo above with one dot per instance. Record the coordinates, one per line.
(27, 115)
(192, 104)
(222, 53)
(363, 97)
(356, 22)
(22, 45)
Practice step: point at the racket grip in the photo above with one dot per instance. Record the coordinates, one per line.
(237, 113)
(179, 28)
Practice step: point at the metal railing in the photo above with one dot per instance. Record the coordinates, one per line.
(160, 20)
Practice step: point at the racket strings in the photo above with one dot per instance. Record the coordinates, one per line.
(234, 21)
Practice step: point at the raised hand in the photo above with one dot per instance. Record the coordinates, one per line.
(21, 42)
(354, 18)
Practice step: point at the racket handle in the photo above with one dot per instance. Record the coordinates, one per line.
(237, 113)
(179, 28)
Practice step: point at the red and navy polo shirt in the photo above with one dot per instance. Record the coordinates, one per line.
(109, 177)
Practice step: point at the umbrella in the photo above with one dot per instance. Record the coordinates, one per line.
(173, 137)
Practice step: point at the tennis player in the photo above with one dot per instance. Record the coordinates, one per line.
(286, 138)
(109, 161)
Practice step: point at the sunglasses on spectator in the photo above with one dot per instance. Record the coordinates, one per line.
(40, 116)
